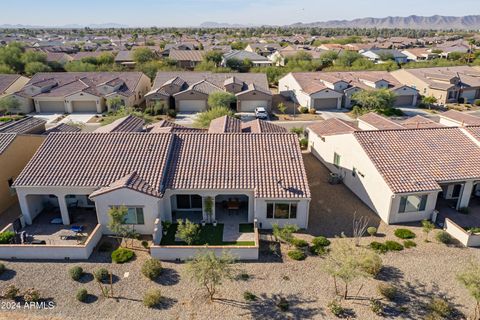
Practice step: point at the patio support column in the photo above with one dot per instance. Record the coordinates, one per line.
(464, 199)
(62, 203)
(22, 200)
(339, 103)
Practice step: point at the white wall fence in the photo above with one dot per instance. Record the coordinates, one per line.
(186, 252)
(467, 238)
(51, 252)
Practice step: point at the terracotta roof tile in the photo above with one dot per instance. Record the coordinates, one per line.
(5, 140)
(379, 122)
(463, 119)
(420, 122)
(333, 126)
(129, 123)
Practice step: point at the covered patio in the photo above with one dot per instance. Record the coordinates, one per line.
(231, 209)
(465, 219)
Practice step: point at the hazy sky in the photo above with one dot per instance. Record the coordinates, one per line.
(194, 12)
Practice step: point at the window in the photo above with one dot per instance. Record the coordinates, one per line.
(336, 159)
(413, 203)
(134, 216)
(189, 201)
(282, 210)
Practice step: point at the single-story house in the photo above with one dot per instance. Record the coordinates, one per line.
(403, 175)
(334, 90)
(447, 84)
(81, 92)
(263, 49)
(11, 83)
(168, 175)
(242, 55)
(187, 91)
(419, 54)
(187, 59)
(382, 55)
(454, 118)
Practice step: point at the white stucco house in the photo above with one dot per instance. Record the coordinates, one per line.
(167, 172)
(403, 173)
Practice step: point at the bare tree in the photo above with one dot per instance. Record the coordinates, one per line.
(359, 227)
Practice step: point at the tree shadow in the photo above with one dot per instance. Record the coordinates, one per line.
(168, 277)
(166, 303)
(86, 277)
(91, 298)
(390, 274)
(8, 274)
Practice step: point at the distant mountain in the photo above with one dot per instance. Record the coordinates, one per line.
(210, 24)
(411, 22)
(67, 26)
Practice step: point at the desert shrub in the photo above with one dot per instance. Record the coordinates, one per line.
(440, 308)
(248, 296)
(10, 292)
(336, 308)
(303, 109)
(477, 102)
(304, 143)
(409, 244)
(371, 263)
(122, 255)
(318, 250)
(443, 237)
(243, 276)
(145, 244)
(152, 268)
(82, 294)
(372, 231)
(296, 254)
(387, 291)
(378, 246)
(105, 247)
(152, 298)
(283, 304)
(75, 273)
(321, 241)
(299, 243)
(376, 307)
(101, 274)
(393, 245)
(404, 234)
(6, 237)
(2, 268)
(312, 110)
(171, 113)
(31, 295)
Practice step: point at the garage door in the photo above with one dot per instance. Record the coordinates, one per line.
(192, 105)
(323, 104)
(52, 106)
(403, 101)
(250, 105)
(84, 106)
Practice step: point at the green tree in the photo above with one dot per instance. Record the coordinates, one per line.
(203, 119)
(209, 271)
(116, 223)
(115, 103)
(347, 58)
(429, 101)
(142, 55)
(374, 100)
(282, 107)
(221, 99)
(427, 226)
(9, 104)
(213, 56)
(187, 231)
(34, 56)
(105, 58)
(32, 68)
(6, 69)
(470, 278)
(79, 66)
(284, 233)
(10, 55)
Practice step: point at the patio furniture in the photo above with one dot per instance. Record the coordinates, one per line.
(77, 229)
(57, 220)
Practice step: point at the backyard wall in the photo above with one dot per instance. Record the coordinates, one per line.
(51, 252)
(466, 238)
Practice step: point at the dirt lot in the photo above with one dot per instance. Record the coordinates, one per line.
(420, 273)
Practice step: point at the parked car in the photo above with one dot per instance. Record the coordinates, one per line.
(261, 113)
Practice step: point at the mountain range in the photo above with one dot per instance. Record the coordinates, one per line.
(436, 22)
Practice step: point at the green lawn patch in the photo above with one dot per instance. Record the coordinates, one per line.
(246, 227)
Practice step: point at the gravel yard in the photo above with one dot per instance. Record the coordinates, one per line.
(423, 272)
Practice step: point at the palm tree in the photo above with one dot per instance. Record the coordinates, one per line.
(119, 36)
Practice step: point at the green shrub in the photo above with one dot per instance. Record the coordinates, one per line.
(336, 308)
(299, 243)
(477, 102)
(303, 143)
(248, 296)
(444, 237)
(321, 241)
(152, 298)
(296, 254)
(376, 307)
(243, 276)
(2, 268)
(387, 291)
(82, 294)
(303, 109)
(393, 245)
(10, 292)
(404, 234)
(101, 274)
(152, 268)
(371, 263)
(75, 273)
(122, 255)
(372, 231)
(31, 295)
(318, 250)
(409, 244)
(440, 308)
(6, 237)
(171, 113)
(145, 244)
(283, 304)
(378, 246)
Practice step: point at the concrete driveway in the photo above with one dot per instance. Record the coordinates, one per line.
(186, 119)
(49, 117)
(78, 118)
(335, 113)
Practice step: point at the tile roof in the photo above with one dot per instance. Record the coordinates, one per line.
(159, 161)
(418, 160)
(242, 55)
(128, 123)
(24, 125)
(333, 126)
(186, 55)
(131, 181)
(5, 140)
(439, 77)
(6, 80)
(417, 122)
(462, 118)
(261, 126)
(62, 127)
(169, 126)
(379, 122)
(225, 124)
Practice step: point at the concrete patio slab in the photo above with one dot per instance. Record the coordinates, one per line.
(231, 233)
